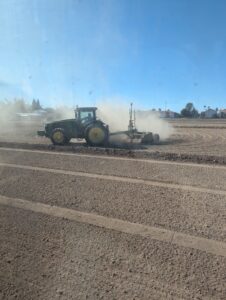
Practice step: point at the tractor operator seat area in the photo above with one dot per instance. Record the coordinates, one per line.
(85, 114)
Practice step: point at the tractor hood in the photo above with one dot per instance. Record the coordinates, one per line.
(60, 121)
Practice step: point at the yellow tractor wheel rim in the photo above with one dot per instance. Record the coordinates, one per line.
(96, 135)
(58, 137)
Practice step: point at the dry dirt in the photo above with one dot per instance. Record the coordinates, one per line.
(193, 140)
(84, 223)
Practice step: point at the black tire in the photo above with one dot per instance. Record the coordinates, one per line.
(96, 135)
(156, 139)
(58, 136)
(67, 140)
(148, 139)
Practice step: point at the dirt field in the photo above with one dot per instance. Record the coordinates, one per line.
(191, 137)
(141, 223)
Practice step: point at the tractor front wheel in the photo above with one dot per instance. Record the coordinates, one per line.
(96, 135)
(58, 137)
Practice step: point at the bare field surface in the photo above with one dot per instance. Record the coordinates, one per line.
(207, 176)
(98, 225)
(78, 261)
(189, 212)
(198, 123)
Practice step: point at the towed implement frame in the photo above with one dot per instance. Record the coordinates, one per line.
(133, 134)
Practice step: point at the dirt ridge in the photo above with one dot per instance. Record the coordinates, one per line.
(122, 151)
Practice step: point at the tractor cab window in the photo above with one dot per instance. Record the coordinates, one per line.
(86, 116)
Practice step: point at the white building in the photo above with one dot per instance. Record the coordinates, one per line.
(209, 113)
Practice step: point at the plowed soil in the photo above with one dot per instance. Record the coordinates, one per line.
(120, 222)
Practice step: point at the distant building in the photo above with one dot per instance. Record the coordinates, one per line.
(222, 113)
(167, 114)
(209, 113)
(31, 115)
(159, 113)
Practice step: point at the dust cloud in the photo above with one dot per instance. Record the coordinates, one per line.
(8, 112)
(116, 115)
(19, 123)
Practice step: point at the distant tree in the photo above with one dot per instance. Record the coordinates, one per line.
(223, 115)
(177, 115)
(35, 105)
(202, 115)
(189, 111)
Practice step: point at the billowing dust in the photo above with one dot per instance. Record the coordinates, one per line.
(117, 116)
(19, 123)
(20, 126)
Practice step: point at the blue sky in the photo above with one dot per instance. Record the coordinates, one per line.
(155, 53)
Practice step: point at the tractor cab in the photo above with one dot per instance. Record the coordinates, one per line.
(85, 114)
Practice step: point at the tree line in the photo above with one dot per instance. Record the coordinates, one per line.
(189, 111)
(20, 105)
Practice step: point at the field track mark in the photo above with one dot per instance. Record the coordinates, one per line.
(177, 238)
(120, 179)
(151, 161)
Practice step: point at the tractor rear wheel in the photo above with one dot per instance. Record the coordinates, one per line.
(58, 137)
(156, 139)
(96, 135)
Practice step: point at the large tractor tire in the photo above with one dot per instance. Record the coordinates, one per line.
(58, 137)
(96, 135)
(156, 138)
(147, 139)
(67, 141)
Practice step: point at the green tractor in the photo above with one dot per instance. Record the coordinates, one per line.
(85, 125)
